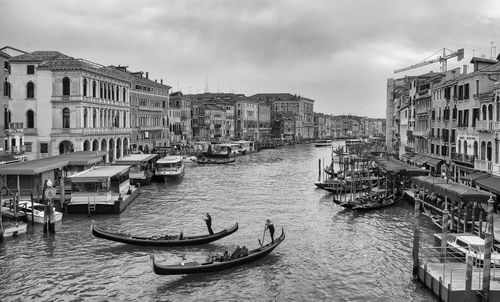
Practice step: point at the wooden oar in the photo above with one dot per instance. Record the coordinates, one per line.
(263, 235)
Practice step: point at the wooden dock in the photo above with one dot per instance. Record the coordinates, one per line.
(447, 281)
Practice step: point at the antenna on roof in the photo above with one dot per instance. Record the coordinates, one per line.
(206, 83)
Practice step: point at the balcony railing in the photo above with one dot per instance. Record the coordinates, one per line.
(91, 131)
(487, 125)
(483, 165)
(424, 133)
(464, 158)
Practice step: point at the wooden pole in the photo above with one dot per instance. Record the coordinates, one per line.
(473, 218)
(32, 210)
(444, 234)
(459, 216)
(319, 169)
(488, 245)
(1, 222)
(468, 279)
(416, 238)
(481, 218)
(466, 214)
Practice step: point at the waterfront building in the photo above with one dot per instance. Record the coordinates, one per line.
(373, 127)
(321, 130)
(149, 105)
(247, 118)
(62, 104)
(182, 132)
(264, 120)
(200, 122)
(300, 107)
(10, 143)
(216, 117)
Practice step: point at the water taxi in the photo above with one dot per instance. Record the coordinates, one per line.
(36, 212)
(462, 244)
(100, 190)
(170, 166)
(224, 150)
(142, 167)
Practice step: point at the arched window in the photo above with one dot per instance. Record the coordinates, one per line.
(124, 95)
(483, 109)
(465, 147)
(113, 92)
(490, 112)
(30, 90)
(94, 119)
(94, 89)
(5, 118)
(30, 119)
(459, 144)
(65, 118)
(483, 150)
(66, 86)
(454, 112)
(101, 91)
(85, 117)
(118, 93)
(84, 87)
(6, 88)
(124, 120)
(488, 151)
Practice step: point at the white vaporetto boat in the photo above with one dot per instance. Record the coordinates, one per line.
(462, 244)
(170, 166)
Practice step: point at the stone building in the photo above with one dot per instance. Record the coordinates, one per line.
(62, 104)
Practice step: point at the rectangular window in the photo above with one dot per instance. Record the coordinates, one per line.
(44, 148)
(461, 92)
(466, 91)
(30, 69)
(477, 87)
(27, 146)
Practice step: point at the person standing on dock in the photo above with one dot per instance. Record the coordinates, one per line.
(270, 226)
(208, 221)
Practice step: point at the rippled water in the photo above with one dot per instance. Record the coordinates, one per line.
(329, 254)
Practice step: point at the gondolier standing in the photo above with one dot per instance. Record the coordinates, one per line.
(270, 226)
(208, 221)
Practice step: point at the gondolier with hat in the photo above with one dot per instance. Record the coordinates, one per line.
(269, 226)
(208, 221)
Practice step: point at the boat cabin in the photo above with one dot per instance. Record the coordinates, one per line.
(224, 149)
(170, 166)
(142, 166)
(246, 147)
(99, 185)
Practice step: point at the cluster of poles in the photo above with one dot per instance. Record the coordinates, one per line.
(448, 224)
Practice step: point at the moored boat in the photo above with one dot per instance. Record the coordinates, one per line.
(36, 211)
(11, 228)
(376, 201)
(142, 166)
(323, 143)
(170, 166)
(462, 244)
(215, 160)
(213, 266)
(162, 240)
(101, 190)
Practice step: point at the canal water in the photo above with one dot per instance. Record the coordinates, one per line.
(328, 255)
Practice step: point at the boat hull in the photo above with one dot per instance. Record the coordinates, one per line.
(194, 268)
(158, 241)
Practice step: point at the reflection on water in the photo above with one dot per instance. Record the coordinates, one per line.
(329, 253)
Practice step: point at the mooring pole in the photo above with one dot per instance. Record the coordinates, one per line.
(452, 214)
(473, 218)
(319, 169)
(468, 279)
(416, 238)
(444, 234)
(466, 214)
(488, 244)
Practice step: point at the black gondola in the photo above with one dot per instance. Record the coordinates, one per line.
(196, 268)
(167, 240)
(380, 202)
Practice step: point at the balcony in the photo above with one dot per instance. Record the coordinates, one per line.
(463, 158)
(483, 165)
(17, 149)
(487, 126)
(424, 133)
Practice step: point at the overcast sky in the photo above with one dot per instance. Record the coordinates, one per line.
(338, 53)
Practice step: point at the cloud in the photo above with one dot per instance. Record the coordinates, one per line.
(339, 53)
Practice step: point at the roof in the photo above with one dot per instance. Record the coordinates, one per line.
(99, 172)
(135, 158)
(169, 159)
(454, 191)
(393, 165)
(474, 176)
(37, 166)
(432, 161)
(38, 56)
(491, 183)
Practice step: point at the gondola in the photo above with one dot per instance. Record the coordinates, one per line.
(166, 240)
(372, 204)
(196, 268)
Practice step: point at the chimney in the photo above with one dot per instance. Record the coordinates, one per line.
(147, 75)
(161, 81)
(156, 81)
(465, 70)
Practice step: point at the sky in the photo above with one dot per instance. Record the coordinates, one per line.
(337, 53)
